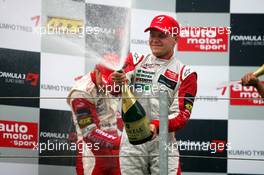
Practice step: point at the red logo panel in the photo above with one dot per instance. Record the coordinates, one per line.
(203, 39)
(171, 75)
(241, 95)
(33, 78)
(18, 134)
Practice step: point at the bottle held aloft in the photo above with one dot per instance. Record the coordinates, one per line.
(135, 119)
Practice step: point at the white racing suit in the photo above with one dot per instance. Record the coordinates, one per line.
(96, 123)
(147, 74)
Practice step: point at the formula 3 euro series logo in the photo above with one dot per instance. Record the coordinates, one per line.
(20, 78)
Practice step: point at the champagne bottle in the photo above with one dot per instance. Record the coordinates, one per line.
(134, 117)
(259, 71)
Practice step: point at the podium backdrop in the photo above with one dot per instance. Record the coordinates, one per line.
(36, 63)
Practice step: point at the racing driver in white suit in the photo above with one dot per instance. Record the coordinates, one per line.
(96, 119)
(149, 74)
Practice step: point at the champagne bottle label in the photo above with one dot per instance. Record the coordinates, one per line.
(138, 130)
(134, 117)
(127, 104)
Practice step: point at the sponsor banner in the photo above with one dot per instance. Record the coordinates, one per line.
(246, 106)
(202, 6)
(64, 26)
(254, 6)
(19, 143)
(56, 134)
(107, 32)
(246, 40)
(204, 138)
(211, 101)
(55, 139)
(18, 134)
(218, 21)
(63, 30)
(19, 77)
(245, 95)
(56, 83)
(203, 39)
(18, 26)
(247, 143)
(140, 20)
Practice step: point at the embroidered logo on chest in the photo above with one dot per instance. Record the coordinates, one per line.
(171, 75)
(169, 79)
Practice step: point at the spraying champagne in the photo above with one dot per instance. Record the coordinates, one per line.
(259, 72)
(251, 79)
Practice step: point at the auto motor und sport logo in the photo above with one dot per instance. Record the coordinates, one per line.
(18, 134)
(20, 78)
(245, 95)
(204, 39)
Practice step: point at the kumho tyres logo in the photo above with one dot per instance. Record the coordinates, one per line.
(16, 27)
(245, 95)
(55, 87)
(23, 28)
(20, 78)
(204, 39)
(245, 153)
(18, 134)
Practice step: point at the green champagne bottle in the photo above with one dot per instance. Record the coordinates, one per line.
(134, 117)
